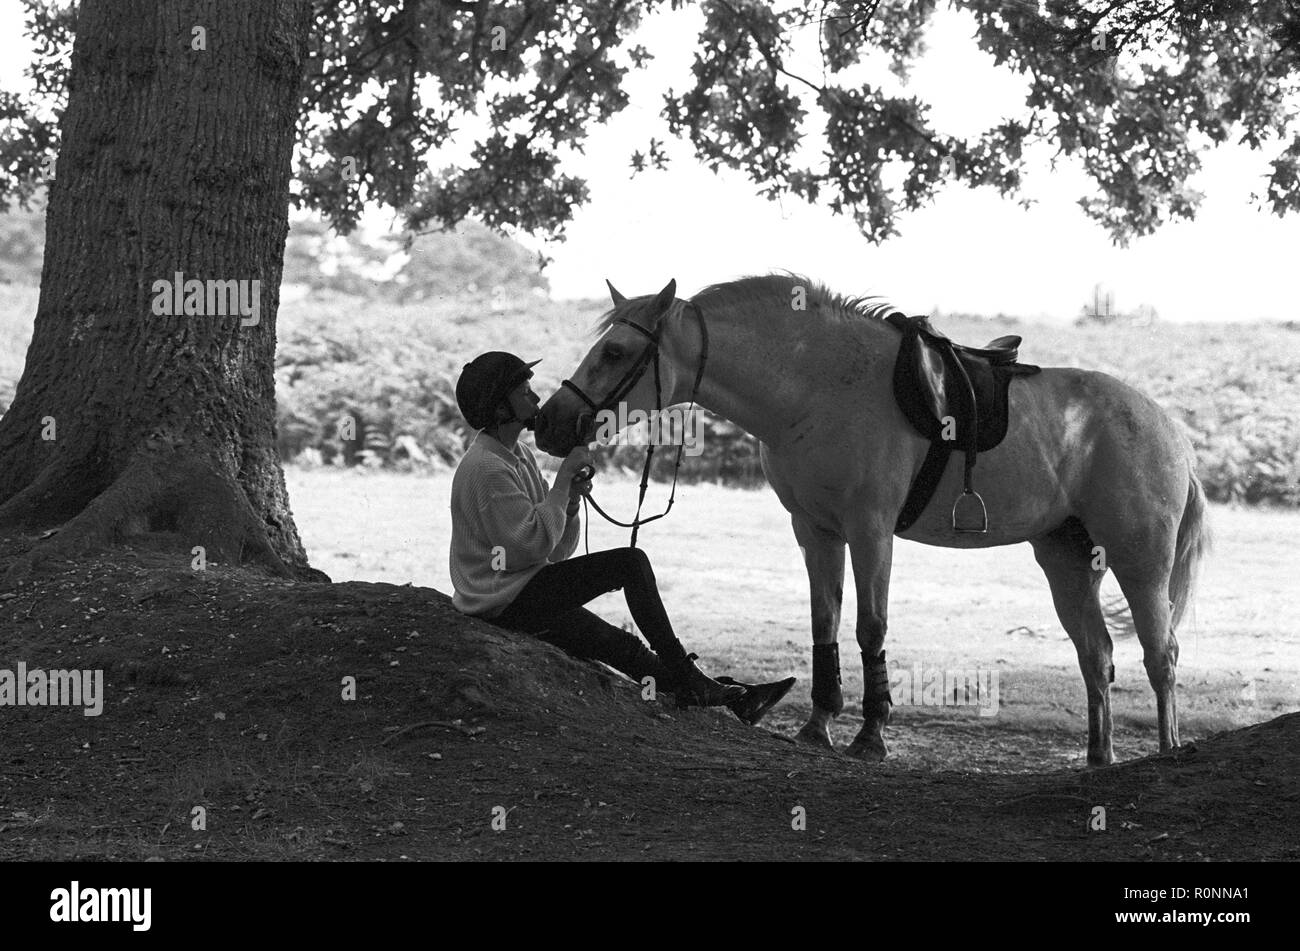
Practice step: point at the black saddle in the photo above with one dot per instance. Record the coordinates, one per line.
(956, 397)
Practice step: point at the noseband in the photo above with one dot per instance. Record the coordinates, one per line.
(649, 355)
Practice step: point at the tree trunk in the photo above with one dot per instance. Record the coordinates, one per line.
(174, 159)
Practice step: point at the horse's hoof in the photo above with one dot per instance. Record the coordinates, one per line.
(868, 751)
(814, 735)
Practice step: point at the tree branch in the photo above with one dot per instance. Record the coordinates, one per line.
(773, 61)
(548, 105)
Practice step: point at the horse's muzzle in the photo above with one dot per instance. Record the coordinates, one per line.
(548, 437)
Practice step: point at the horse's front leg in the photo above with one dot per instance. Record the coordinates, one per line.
(872, 555)
(823, 555)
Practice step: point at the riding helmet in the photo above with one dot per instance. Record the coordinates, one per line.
(487, 380)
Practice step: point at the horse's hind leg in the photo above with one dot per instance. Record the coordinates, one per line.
(824, 558)
(1147, 593)
(1067, 558)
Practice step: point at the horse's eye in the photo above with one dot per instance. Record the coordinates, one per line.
(612, 354)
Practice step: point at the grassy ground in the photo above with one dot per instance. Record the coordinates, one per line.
(246, 717)
(733, 581)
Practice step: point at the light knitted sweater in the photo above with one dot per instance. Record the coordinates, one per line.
(503, 527)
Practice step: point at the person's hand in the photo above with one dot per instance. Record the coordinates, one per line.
(575, 460)
(577, 489)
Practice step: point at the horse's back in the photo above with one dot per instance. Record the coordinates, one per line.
(1118, 448)
(1091, 409)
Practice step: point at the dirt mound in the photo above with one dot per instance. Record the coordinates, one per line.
(228, 698)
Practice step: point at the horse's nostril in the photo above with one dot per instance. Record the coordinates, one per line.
(539, 426)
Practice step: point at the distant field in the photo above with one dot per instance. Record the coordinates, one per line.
(17, 310)
(734, 584)
(1234, 387)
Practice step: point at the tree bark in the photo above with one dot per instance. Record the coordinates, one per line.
(173, 159)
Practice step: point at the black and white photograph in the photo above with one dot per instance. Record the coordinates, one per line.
(650, 431)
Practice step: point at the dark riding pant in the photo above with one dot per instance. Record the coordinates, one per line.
(550, 607)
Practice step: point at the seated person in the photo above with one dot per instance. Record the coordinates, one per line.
(512, 535)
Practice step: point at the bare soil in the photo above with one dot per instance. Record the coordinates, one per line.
(224, 700)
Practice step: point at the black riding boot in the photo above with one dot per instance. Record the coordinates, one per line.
(692, 687)
(629, 656)
(673, 670)
(758, 698)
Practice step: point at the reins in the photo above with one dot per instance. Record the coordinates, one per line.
(649, 355)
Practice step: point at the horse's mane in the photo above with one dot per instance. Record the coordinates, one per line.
(760, 289)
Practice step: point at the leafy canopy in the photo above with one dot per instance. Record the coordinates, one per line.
(1134, 89)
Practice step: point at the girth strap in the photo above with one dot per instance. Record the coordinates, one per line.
(934, 378)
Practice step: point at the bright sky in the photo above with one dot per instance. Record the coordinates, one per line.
(970, 251)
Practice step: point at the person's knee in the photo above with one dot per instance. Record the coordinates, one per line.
(634, 561)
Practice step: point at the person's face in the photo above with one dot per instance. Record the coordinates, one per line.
(523, 401)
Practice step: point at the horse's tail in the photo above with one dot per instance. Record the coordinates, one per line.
(1192, 546)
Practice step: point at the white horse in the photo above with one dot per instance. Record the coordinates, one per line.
(1088, 464)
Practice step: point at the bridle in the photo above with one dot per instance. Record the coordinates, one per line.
(648, 356)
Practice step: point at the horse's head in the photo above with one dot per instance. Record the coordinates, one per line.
(618, 372)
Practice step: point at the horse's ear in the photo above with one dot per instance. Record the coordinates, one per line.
(666, 297)
(613, 293)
